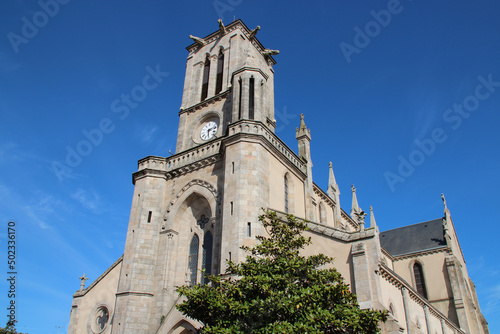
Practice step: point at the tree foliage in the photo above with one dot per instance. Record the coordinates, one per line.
(9, 328)
(277, 290)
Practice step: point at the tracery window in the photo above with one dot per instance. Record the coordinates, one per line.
(207, 256)
(193, 259)
(418, 273)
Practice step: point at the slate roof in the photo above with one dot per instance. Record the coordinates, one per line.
(414, 238)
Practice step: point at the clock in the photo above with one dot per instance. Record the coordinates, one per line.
(209, 130)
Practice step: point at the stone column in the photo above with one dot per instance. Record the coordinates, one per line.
(196, 83)
(245, 96)
(212, 77)
(236, 98)
(362, 281)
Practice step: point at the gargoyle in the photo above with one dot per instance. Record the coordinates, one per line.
(254, 32)
(221, 27)
(269, 52)
(197, 40)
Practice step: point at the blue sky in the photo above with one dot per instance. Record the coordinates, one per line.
(385, 99)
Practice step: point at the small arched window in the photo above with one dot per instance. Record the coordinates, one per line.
(418, 273)
(240, 89)
(206, 74)
(193, 259)
(207, 256)
(286, 193)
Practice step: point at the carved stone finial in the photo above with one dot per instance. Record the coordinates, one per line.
(373, 223)
(197, 40)
(444, 201)
(302, 130)
(269, 52)
(253, 32)
(221, 27)
(82, 284)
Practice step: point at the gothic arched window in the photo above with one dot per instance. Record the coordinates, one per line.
(207, 255)
(418, 273)
(220, 71)
(240, 89)
(206, 74)
(193, 259)
(286, 194)
(251, 99)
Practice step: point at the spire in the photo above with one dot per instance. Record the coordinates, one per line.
(356, 212)
(354, 207)
(303, 136)
(373, 223)
(446, 217)
(333, 188)
(302, 130)
(444, 203)
(334, 193)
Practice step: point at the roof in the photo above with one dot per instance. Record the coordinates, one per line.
(414, 238)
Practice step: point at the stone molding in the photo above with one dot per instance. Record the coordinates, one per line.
(251, 69)
(331, 232)
(84, 291)
(324, 196)
(442, 249)
(386, 253)
(135, 293)
(348, 218)
(179, 164)
(209, 153)
(386, 273)
(188, 185)
(205, 103)
(331, 202)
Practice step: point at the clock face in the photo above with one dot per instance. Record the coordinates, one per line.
(209, 130)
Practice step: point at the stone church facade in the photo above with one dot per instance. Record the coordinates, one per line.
(195, 209)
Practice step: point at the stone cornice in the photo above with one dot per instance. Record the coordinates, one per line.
(238, 24)
(386, 253)
(207, 102)
(443, 249)
(323, 195)
(252, 69)
(396, 280)
(81, 293)
(349, 219)
(331, 232)
(211, 152)
(181, 163)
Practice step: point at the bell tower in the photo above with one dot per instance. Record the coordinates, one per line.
(229, 77)
(193, 210)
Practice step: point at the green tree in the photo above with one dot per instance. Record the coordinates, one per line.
(277, 290)
(9, 328)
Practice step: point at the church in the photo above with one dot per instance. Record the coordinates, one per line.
(193, 211)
